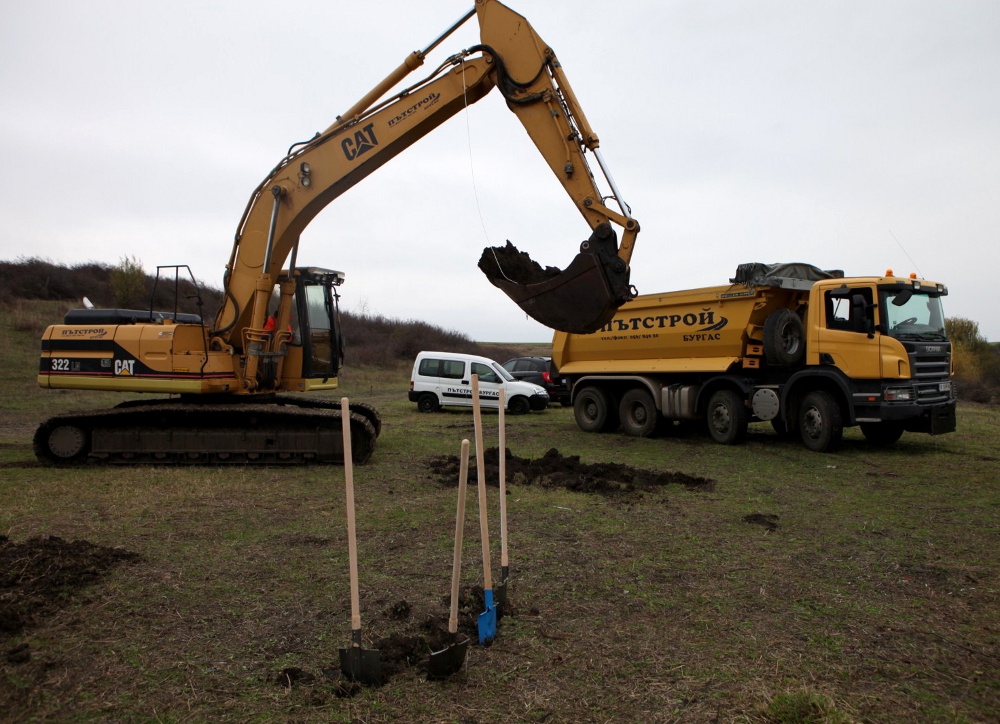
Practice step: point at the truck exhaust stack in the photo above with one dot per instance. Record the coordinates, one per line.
(578, 300)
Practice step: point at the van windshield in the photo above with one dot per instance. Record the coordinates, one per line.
(504, 374)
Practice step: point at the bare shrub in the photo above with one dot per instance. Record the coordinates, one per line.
(41, 279)
(128, 282)
(977, 362)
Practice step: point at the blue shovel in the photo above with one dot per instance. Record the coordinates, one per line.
(488, 618)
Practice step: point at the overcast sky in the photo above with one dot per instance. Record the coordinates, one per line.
(858, 135)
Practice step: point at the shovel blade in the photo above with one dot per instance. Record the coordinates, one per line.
(488, 620)
(448, 660)
(361, 665)
(500, 596)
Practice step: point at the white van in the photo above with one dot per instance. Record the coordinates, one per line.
(445, 378)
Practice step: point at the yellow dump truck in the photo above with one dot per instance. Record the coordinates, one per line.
(809, 350)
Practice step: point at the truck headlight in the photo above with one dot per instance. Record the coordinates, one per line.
(898, 394)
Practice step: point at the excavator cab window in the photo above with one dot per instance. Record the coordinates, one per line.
(319, 318)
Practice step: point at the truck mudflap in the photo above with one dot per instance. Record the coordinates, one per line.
(937, 419)
(580, 299)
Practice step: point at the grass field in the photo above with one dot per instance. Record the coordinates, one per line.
(797, 587)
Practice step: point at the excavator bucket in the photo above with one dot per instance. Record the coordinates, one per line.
(580, 299)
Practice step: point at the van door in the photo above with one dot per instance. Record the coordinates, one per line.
(489, 385)
(447, 379)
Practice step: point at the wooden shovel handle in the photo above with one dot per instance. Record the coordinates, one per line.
(456, 566)
(484, 528)
(352, 542)
(503, 482)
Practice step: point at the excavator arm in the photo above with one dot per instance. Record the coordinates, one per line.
(512, 58)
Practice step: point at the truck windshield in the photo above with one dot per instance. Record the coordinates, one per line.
(909, 314)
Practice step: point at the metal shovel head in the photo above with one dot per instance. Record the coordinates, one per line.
(361, 665)
(488, 619)
(448, 660)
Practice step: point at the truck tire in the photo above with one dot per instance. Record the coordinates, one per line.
(638, 413)
(882, 434)
(821, 423)
(593, 411)
(727, 418)
(427, 402)
(784, 339)
(519, 405)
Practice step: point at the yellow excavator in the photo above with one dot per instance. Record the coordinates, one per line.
(228, 382)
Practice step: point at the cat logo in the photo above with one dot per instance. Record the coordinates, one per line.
(362, 142)
(124, 367)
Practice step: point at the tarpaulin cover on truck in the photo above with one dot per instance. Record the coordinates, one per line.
(756, 274)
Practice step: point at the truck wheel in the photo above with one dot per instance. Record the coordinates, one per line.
(591, 410)
(882, 434)
(638, 413)
(519, 405)
(821, 423)
(784, 338)
(428, 403)
(727, 418)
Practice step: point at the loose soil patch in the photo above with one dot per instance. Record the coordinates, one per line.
(39, 575)
(506, 263)
(555, 470)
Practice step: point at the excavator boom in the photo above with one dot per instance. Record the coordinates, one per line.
(512, 58)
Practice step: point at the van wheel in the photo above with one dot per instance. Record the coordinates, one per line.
(638, 413)
(881, 434)
(727, 418)
(592, 410)
(821, 423)
(784, 338)
(428, 403)
(519, 405)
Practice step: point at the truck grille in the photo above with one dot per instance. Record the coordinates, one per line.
(931, 367)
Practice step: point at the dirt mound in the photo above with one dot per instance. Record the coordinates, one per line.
(39, 575)
(558, 471)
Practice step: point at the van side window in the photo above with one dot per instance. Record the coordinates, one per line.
(486, 374)
(450, 368)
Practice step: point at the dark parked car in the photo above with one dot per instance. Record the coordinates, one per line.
(539, 371)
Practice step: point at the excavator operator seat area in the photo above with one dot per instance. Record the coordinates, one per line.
(319, 317)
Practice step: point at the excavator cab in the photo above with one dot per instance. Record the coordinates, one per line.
(318, 312)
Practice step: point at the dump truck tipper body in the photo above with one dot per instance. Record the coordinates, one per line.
(806, 349)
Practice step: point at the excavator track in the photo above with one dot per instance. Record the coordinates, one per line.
(275, 431)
